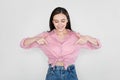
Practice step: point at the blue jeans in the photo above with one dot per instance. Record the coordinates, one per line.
(60, 73)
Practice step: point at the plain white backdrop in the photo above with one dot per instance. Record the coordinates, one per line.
(27, 18)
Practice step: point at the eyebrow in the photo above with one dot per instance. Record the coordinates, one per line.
(61, 19)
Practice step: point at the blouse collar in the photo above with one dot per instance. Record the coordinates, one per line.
(54, 34)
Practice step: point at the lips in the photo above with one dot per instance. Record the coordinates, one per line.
(60, 27)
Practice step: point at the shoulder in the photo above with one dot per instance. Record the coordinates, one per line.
(76, 34)
(43, 34)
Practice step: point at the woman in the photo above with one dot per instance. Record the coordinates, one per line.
(61, 45)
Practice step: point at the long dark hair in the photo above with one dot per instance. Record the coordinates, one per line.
(59, 10)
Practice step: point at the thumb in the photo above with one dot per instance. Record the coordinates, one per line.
(77, 42)
(78, 35)
(45, 41)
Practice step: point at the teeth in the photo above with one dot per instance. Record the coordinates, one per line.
(60, 27)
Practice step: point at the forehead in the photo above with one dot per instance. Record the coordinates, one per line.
(59, 16)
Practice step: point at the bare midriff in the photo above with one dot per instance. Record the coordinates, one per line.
(59, 63)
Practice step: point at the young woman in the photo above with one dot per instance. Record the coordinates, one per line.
(61, 45)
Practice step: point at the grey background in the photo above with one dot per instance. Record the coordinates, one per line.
(27, 18)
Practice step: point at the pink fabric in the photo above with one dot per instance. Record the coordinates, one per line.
(60, 50)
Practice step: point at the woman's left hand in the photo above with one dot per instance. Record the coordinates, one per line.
(83, 39)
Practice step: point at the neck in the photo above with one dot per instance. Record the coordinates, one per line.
(61, 32)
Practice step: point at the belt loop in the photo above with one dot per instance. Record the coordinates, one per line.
(68, 68)
(53, 67)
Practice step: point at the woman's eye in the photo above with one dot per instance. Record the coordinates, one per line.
(62, 21)
(56, 21)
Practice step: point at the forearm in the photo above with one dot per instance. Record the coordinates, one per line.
(29, 41)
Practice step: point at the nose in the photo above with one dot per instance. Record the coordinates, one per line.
(59, 24)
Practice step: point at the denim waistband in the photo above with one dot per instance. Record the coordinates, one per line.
(70, 67)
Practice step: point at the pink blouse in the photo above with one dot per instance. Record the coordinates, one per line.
(60, 50)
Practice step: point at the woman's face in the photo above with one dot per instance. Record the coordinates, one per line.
(60, 21)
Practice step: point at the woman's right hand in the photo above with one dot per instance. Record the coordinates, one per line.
(41, 40)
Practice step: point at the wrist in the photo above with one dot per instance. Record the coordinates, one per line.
(35, 39)
(87, 38)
